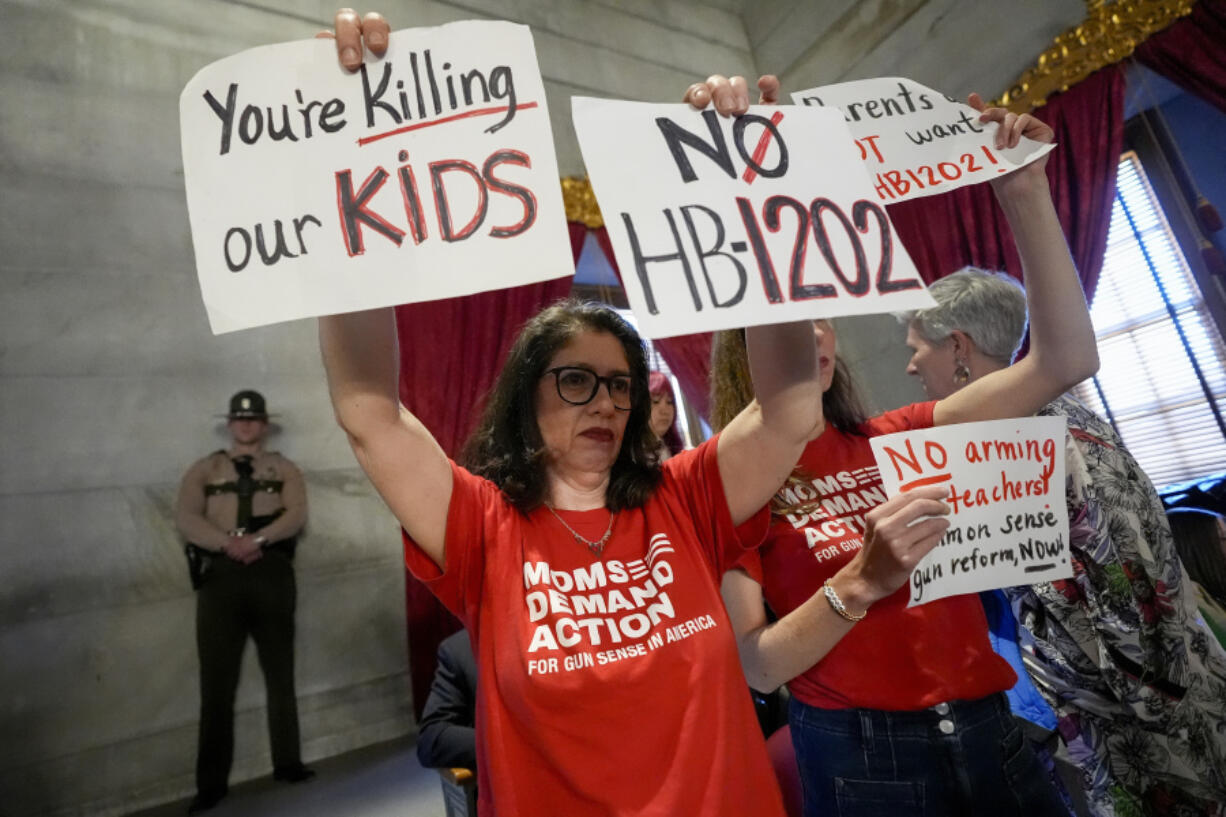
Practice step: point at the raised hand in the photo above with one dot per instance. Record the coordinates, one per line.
(352, 31)
(1012, 128)
(731, 96)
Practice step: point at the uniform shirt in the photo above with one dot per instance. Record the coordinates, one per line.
(205, 517)
(896, 658)
(609, 685)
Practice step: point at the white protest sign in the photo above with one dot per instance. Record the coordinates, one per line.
(916, 141)
(1009, 524)
(428, 174)
(721, 222)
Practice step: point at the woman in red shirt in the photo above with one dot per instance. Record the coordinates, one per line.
(898, 710)
(586, 572)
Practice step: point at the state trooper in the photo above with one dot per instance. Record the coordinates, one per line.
(240, 510)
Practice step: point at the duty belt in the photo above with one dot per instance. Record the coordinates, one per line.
(199, 559)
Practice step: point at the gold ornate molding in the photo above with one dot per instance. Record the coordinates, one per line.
(580, 201)
(1111, 32)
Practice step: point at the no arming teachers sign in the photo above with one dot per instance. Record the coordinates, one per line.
(430, 173)
(1008, 523)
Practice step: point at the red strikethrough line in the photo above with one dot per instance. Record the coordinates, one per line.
(759, 153)
(366, 140)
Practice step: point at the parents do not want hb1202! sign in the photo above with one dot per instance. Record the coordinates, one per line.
(721, 222)
(918, 142)
(1008, 521)
(428, 174)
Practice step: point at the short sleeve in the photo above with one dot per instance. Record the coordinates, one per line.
(916, 415)
(751, 563)
(694, 477)
(473, 513)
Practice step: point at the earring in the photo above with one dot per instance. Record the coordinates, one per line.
(962, 372)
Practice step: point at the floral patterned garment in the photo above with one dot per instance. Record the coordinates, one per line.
(1137, 681)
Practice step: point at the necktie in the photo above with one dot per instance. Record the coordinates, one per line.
(245, 488)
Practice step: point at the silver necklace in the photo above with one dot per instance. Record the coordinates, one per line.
(597, 547)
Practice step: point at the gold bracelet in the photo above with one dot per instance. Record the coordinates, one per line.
(837, 604)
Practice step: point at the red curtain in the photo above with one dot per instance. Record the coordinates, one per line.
(965, 227)
(450, 353)
(1192, 52)
(688, 356)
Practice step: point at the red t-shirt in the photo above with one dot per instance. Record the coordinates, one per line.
(896, 658)
(610, 685)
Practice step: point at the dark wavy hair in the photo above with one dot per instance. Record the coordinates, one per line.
(732, 391)
(507, 447)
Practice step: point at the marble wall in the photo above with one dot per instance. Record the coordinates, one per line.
(954, 46)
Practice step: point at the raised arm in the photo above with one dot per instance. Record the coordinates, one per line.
(1063, 350)
(404, 462)
(401, 457)
(759, 449)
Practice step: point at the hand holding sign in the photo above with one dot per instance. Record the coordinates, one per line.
(351, 32)
(897, 534)
(1011, 130)
(917, 142)
(731, 96)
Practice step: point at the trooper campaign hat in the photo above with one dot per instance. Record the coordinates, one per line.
(247, 404)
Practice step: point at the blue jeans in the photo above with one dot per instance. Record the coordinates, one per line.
(961, 758)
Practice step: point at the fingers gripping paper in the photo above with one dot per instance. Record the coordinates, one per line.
(721, 222)
(428, 174)
(917, 142)
(1008, 524)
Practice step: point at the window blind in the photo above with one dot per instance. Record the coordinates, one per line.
(1148, 384)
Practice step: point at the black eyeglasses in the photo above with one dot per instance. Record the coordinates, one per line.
(579, 386)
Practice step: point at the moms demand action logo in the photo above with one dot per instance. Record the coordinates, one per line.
(607, 603)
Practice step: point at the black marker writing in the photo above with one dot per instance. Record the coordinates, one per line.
(253, 119)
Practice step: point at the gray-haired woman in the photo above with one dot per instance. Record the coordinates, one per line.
(975, 329)
(1118, 649)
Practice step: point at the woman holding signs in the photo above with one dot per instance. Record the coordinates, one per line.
(586, 572)
(897, 710)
